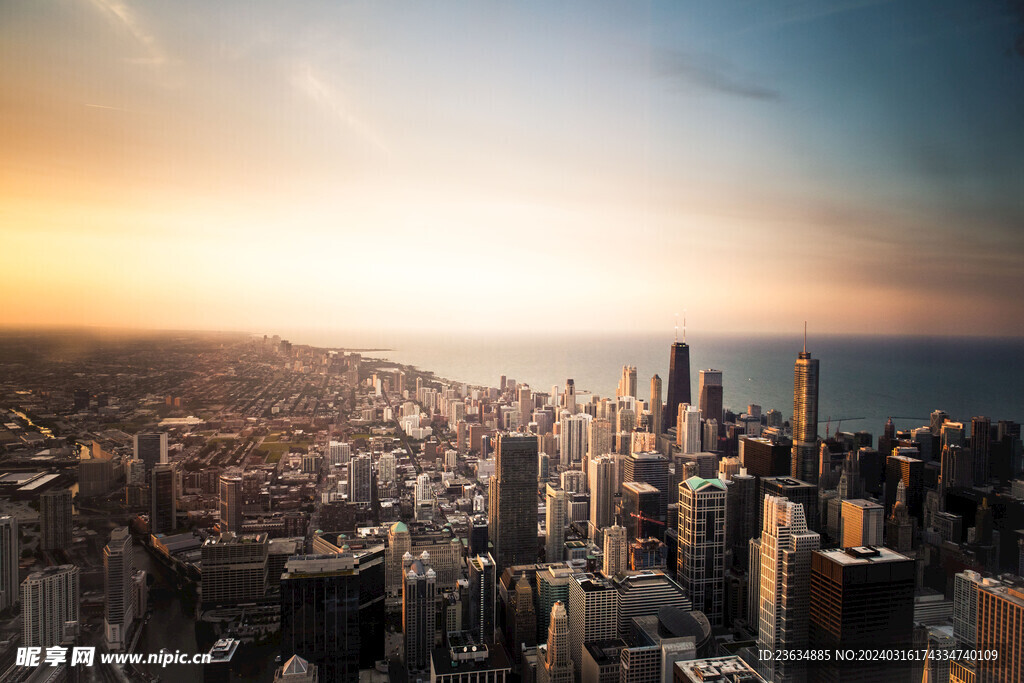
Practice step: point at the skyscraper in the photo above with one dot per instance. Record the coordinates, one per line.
(513, 513)
(151, 448)
(678, 377)
(641, 507)
(555, 523)
(573, 431)
(805, 416)
(55, 524)
(602, 492)
(656, 407)
(980, 448)
(710, 383)
(9, 556)
(419, 611)
(332, 611)
(119, 606)
(615, 546)
(593, 611)
(860, 598)
(483, 592)
(627, 382)
(1000, 628)
(688, 436)
(784, 590)
(600, 441)
(49, 600)
(360, 480)
(701, 545)
(651, 468)
(230, 503)
(862, 523)
(556, 666)
(163, 499)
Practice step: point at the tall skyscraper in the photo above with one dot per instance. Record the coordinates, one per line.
(419, 612)
(332, 612)
(119, 606)
(555, 523)
(593, 611)
(483, 592)
(602, 493)
(1001, 628)
(627, 382)
(651, 468)
(641, 507)
(230, 503)
(701, 545)
(360, 480)
(569, 396)
(862, 523)
(688, 436)
(600, 441)
(151, 448)
(678, 377)
(860, 598)
(980, 448)
(49, 600)
(656, 407)
(9, 555)
(805, 417)
(163, 509)
(556, 665)
(615, 547)
(573, 431)
(784, 588)
(55, 523)
(710, 383)
(513, 513)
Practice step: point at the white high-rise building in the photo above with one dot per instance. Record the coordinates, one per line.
(600, 441)
(340, 452)
(593, 613)
(555, 522)
(602, 481)
(701, 545)
(573, 431)
(119, 570)
(419, 610)
(423, 492)
(688, 436)
(386, 468)
(9, 554)
(615, 551)
(784, 582)
(49, 601)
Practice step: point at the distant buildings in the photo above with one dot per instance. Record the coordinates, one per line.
(151, 449)
(10, 554)
(119, 588)
(231, 503)
(55, 523)
(163, 510)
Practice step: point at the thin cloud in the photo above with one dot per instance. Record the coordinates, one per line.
(711, 74)
(124, 17)
(321, 93)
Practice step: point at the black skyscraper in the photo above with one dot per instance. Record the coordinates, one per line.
(678, 382)
(513, 501)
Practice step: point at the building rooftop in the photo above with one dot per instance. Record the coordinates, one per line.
(861, 555)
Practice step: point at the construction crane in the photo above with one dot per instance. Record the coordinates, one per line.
(643, 518)
(839, 424)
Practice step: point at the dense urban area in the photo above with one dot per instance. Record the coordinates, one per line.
(303, 514)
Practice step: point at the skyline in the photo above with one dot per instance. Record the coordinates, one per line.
(394, 168)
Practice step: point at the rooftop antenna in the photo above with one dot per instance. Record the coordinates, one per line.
(684, 325)
(805, 336)
(677, 328)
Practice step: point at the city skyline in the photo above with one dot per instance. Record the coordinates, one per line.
(253, 168)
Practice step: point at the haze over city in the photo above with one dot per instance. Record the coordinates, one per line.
(252, 167)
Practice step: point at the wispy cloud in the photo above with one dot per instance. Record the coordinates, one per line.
(124, 17)
(711, 73)
(320, 92)
(804, 11)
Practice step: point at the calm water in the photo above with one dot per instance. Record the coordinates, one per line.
(861, 377)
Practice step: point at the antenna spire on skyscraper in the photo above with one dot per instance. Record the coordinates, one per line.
(677, 327)
(684, 325)
(805, 336)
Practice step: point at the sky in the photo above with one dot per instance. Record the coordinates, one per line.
(483, 166)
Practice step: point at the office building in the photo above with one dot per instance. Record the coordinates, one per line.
(49, 601)
(627, 382)
(641, 510)
(513, 509)
(650, 468)
(640, 664)
(794, 490)
(555, 664)
(784, 584)
(118, 572)
(339, 452)
(555, 523)
(732, 669)
(981, 440)
(593, 611)
(965, 605)
(55, 524)
(710, 383)
(700, 555)
(688, 429)
(465, 660)
(860, 598)
(602, 493)
(678, 377)
(482, 597)
(230, 503)
(909, 471)
(656, 407)
(1001, 627)
(10, 555)
(360, 480)
(573, 433)
(234, 569)
(766, 457)
(601, 660)
(646, 593)
(163, 508)
(805, 417)
(862, 523)
(615, 547)
(419, 612)
(151, 448)
(599, 441)
(332, 612)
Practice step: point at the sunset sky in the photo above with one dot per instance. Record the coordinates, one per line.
(483, 166)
